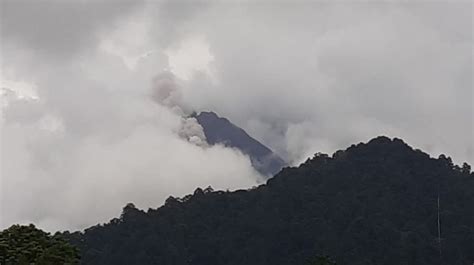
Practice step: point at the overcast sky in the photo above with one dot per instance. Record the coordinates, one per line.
(95, 93)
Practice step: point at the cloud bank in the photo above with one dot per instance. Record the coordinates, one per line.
(94, 93)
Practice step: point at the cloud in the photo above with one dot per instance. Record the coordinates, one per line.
(195, 48)
(167, 93)
(93, 138)
(332, 74)
(60, 28)
(71, 159)
(302, 77)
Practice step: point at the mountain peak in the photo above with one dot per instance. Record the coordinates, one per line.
(381, 145)
(380, 140)
(384, 140)
(219, 130)
(209, 114)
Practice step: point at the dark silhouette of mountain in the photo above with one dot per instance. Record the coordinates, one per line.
(377, 203)
(221, 131)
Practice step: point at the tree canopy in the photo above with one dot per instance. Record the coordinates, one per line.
(21, 244)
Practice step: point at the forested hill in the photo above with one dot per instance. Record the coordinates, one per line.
(374, 203)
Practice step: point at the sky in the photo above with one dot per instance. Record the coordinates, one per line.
(95, 94)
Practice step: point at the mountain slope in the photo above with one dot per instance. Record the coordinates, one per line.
(221, 131)
(373, 203)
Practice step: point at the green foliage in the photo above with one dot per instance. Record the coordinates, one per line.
(372, 204)
(29, 245)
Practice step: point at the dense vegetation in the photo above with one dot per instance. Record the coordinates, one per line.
(374, 203)
(29, 245)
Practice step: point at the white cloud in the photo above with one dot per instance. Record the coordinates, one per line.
(302, 77)
(191, 56)
(72, 159)
(345, 72)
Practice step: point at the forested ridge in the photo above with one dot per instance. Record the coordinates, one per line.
(373, 203)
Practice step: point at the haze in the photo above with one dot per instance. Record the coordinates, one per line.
(95, 94)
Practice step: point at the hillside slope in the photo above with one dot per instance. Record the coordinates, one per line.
(220, 130)
(373, 203)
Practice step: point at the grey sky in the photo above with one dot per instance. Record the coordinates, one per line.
(82, 134)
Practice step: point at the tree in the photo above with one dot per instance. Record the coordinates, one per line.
(447, 160)
(21, 244)
(466, 168)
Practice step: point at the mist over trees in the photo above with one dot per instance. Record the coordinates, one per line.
(110, 105)
(376, 203)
